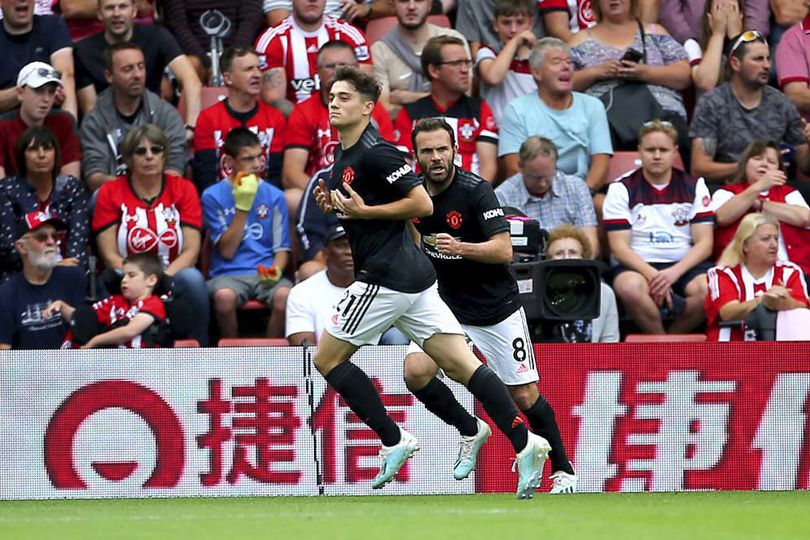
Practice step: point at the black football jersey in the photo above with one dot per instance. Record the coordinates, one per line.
(383, 250)
(479, 294)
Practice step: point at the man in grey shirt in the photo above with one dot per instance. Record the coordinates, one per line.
(741, 111)
(126, 104)
(543, 193)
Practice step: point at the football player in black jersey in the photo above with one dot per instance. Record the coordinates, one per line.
(467, 239)
(374, 193)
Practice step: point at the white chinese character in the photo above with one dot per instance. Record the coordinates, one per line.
(781, 432)
(691, 435)
(599, 411)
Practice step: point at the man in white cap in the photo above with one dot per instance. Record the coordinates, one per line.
(26, 37)
(37, 86)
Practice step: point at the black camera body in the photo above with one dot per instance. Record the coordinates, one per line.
(557, 291)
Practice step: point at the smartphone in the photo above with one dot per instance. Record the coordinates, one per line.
(632, 55)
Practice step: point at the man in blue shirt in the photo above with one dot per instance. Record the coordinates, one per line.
(576, 122)
(249, 227)
(24, 297)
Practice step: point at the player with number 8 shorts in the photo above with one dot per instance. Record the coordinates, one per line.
(467, 239)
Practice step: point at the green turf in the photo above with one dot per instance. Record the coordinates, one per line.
(692, 516)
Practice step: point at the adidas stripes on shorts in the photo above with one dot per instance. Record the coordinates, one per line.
(366, 311)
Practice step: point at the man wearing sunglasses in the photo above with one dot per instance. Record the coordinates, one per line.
(446, 63)
(742, 110)
(24, 297)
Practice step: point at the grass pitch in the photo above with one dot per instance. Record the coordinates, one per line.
(692, 516)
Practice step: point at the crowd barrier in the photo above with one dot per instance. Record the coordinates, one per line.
(261, 421)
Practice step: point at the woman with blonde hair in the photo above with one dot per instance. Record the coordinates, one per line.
(750, 274)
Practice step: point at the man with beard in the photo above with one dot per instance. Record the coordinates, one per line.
(160, 50)
(24, 298)
(288, 52)
(397, 54)
(742, 110)
(467, 240)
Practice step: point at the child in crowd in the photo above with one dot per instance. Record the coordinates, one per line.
(504, 67)
(123, 318)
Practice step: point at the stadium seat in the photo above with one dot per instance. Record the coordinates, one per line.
(623, 162)
(253, 342)
(209, 95)
(663, 338)
(186, 344)
(377, 28)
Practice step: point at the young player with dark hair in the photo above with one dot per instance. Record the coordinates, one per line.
(375, 193)
(467, 240)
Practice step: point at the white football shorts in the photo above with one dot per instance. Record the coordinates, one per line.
(507, 346)
(366, 311)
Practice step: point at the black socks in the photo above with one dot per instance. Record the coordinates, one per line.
(440, 400)
(544, 423)
(493, 395)
(360, 394)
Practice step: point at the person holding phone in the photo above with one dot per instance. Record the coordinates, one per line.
(614, 50)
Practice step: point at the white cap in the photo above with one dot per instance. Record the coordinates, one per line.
(37, 74)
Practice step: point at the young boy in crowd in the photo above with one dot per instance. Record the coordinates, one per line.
(504, 67)
(123, 318)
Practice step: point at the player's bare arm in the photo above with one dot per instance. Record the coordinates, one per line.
(496, 250)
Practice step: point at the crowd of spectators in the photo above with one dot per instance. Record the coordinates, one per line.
(109, 149)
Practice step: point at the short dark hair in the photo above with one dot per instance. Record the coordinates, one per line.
(436, 123)
(148, 263)
(512, 8)
(38, 137)
(336, 44)
(151, 133)
(110, 51)
(363, 82)
(432, 52)
(238, 138)
(231, 52)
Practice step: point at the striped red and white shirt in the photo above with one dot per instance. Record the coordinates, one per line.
(288, 46)
(729, 283)
(148, 226)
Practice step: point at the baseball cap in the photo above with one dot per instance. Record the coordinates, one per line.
(37, 74)
(34, 220)
(337, 231)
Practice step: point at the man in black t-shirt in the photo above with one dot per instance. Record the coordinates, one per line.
(160, 50)
(467, 239)
(375, 192)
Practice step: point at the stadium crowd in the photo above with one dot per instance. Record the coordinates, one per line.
(638, 132)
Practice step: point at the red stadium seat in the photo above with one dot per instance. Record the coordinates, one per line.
(209, 95)
(663, 338)
(253, 342)
(623, 162)
(377, 28)
(186, 344)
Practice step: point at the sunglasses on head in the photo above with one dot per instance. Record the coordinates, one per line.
(52, 73)
(655, 123)
(746, 37)
(141, 150)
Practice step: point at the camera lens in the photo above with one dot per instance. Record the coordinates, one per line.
(568, 291)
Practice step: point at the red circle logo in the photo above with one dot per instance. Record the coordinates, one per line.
(348, 175)
(454, 219)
